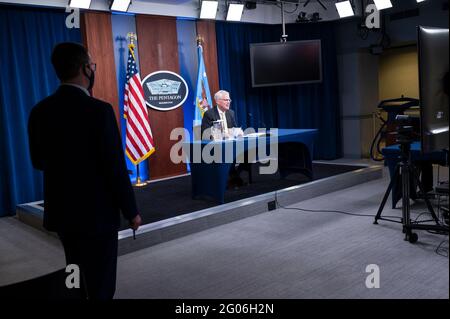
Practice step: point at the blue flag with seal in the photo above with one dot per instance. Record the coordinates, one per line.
(203, 100)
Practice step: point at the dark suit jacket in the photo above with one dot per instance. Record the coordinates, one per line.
(213, 115)
(75, 141)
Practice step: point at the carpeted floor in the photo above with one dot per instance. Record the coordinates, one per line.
(295, 254)
(279, 254)
(170, 198)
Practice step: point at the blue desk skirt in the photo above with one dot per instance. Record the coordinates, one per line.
(210, 178)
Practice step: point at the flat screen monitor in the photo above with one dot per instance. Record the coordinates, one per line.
(433, 88)
(285, 63)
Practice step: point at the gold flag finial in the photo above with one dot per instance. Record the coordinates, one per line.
(132, 36)
(200, 40)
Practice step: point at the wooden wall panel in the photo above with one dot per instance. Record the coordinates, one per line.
(207, 30)
(158, 50)
(97, 37)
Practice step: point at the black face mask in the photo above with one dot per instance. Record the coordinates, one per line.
(91, 78)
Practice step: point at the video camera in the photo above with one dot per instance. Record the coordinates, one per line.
(395, 107)
(397, 123)
(405, 130)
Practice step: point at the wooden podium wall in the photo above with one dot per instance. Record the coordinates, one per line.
(158, 50)
(207, 30)
(97, 37)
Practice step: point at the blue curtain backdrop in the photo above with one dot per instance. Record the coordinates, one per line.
(122, 23)
(27, 37)
(187, 56)
(291, 106)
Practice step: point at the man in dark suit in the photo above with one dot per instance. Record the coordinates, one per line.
(222, 112)
(75, 141)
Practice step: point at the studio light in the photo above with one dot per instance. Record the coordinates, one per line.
(315, 17)
(345, 9)
(120, 5)
(82, 4)
(302, 17)
(250, 5)
(235, 12)
(382, 4)
(209, 9)
(418, 1)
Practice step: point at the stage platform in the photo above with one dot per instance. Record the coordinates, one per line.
(169, 212)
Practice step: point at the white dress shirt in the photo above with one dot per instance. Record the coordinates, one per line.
(224, 119)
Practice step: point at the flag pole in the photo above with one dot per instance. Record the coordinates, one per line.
(138, 178)
(132, 36)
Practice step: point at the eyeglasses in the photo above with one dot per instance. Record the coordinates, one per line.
(226, 100)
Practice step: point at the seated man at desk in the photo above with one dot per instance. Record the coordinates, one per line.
(222, 112)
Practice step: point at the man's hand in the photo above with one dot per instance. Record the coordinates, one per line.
(136, 222)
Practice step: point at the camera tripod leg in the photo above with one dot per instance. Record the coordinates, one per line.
(427, 201)
(410, 236)
(406, 170)
(386, 195)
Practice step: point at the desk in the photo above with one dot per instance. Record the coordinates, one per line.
(211, 178)
(422, 161)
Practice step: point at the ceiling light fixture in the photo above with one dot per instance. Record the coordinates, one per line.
(235, 12)
(209, 9)
(382, 4)
(81, 4)
(120, 5)
(345, 9)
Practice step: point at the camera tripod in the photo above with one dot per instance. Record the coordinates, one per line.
(406, 169)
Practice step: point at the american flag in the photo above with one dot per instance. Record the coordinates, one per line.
(139, 138)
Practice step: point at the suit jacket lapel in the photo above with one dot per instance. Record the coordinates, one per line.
(216, 114)
(228, 116)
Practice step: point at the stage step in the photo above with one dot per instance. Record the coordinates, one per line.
(176, 227)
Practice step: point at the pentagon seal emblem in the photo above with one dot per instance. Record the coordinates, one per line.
(164, 90)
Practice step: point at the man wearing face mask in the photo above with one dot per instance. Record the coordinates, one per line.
(75, 141)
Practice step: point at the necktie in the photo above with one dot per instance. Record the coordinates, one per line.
(224, 119)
